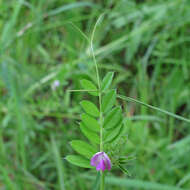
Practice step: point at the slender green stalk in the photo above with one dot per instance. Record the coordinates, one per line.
(101, 123)
(101, 140)
(102, 181)
(126, 98)
(93, 55)
(82, 90)
(100, 99)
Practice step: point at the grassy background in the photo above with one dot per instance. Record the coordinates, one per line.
(146, 43)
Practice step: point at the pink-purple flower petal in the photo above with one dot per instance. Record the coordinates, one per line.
(101, 161)
(108, 163)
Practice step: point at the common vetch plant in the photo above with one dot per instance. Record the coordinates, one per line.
(101, 124)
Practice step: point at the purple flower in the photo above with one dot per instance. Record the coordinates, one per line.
(101, 161)
(55, 84)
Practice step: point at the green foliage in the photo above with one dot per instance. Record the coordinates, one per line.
(135, 183)
(93, 137)
(78, 161)
(124, 169)
(145, 43)
(107, 80)
(90, 108)
(112, 134)
(90, 122)
(113, 118)
(108, 101)
(88, 85)
(83, 148)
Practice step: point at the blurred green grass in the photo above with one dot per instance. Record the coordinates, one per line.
(145, 42)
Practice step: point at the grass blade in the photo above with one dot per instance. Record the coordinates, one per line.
(137, 184)
(58, 163)
(97, 182)
(68, 7)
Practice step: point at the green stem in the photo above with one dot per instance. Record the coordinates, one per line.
(100, 99)
(102, 181)
(126, 98)
(101, 136)
(101, 122)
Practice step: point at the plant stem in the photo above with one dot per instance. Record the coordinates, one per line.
(101, 138)
(102, 181)
(101, 122)
(126, 98)
(100, 100)
(101, 134)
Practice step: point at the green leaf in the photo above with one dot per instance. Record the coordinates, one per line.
(111, 135)
(78, 161)
(90, 122)
(113, 118)
(90, 108)
(93, 137)
(83, 148)
(124, 170)
(88, 85)
(107, 81)
(126, 159)
(108, 101)
(121, 136)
